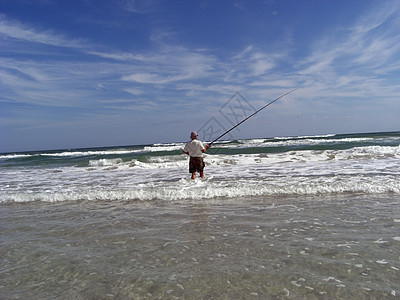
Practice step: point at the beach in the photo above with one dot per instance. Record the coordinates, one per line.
(284, 218)
(310, 248)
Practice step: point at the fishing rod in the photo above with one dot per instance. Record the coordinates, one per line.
(268, 104)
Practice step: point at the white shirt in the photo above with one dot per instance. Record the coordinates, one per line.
(194, 148)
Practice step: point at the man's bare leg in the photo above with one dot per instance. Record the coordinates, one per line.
(202, 174)
(194, 175)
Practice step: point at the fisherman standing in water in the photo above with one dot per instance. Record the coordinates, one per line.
(195, 150)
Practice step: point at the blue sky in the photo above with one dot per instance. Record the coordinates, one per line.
(101, 73)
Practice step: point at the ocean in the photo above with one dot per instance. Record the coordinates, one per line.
(308, 217)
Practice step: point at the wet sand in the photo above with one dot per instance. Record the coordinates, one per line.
(336, 247)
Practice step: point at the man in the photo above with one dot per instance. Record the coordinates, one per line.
(195, 150)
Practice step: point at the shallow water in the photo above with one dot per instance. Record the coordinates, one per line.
(300, 247)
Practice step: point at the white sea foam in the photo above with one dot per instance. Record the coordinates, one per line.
(71, 154)
(105, 162)
(170, 182)
(289, 142)
(14, 156)
(303, 137)
(87, 153)
(367, 169)
(153, 148)
(168, 147)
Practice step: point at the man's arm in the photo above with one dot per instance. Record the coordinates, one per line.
(205, 148)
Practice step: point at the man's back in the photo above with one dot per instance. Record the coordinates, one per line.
(195, 148)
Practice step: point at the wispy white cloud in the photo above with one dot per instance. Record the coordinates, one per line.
(350, 62)
(195, 72)
(25, 32)
(144, 106)
(122, 56)
(141, 6)
(134, 91)
(172, 64)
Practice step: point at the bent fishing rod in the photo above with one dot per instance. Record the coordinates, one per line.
(268, 104)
